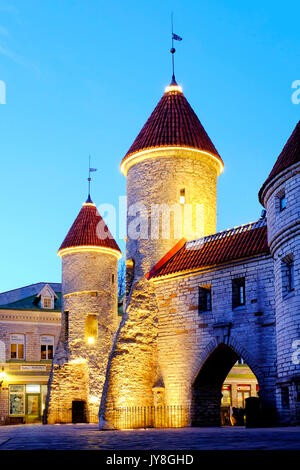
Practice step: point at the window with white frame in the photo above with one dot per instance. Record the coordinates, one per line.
(47, 345)
(47, 302)
(17, 346)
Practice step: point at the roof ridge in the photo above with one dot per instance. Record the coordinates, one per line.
(229, 231)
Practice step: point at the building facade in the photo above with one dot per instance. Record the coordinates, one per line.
(29, 332)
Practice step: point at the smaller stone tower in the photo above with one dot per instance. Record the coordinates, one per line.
(89, 319)
(280, 195)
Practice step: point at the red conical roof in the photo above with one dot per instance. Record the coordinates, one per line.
(289, 156)
(173, 123)
(89, 229)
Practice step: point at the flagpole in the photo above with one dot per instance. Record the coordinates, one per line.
(172, 50)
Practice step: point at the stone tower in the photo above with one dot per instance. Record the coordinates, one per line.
(89, 319)
(280, 195)
(171, 168)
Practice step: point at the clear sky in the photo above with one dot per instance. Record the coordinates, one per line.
(83, 76)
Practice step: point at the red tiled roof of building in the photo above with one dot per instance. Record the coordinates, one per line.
(289, 156)
(223, 247)
(87, 230)
(173, 123)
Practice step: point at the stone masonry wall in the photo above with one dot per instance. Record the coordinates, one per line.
(88, 288)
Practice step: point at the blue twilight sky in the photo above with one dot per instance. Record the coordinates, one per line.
(82, 77)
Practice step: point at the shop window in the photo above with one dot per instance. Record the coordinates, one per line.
(287, 272)
(47, 345)
(243, 392)
(226, 395)
(17, 346)
(205, 304)
(91, 327)
(285, 399)
(16, 400)
(238, 292)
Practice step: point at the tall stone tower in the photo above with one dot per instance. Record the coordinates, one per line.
(89, 319)
(280, 195)
(171, 168)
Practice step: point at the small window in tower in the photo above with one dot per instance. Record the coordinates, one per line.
(287, 271)
(282, 203)
(113, 278)
(66, 325)
(182, 196)
(91, 328)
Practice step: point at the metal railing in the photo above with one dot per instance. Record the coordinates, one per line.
(134, 417)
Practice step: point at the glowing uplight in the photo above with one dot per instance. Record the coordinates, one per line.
(80, 249)
(173, 88)
(91, 339)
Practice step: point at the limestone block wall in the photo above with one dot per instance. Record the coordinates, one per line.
(284, 238)
(164, 342)
(187, 338)
(89, 287)
(157, 181)
(132, 369)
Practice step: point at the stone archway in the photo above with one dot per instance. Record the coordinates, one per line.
(206, 389)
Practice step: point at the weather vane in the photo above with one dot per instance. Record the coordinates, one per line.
(175, 37)
(89, 179)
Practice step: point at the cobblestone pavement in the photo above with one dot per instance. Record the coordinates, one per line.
(87, 436)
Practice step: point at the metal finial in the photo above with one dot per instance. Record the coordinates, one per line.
(173, 50)
(89, 180)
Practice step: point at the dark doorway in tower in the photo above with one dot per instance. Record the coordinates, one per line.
(221, 389)
(78, 411)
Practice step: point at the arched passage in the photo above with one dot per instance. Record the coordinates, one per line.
(207, 387)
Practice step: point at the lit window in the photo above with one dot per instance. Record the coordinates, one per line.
(238, 292)
(226, 395)
(182, 196)
(205, 304)
(46, 302)
(17, 350)
(16, 400)
(47, 344)
(91, 328)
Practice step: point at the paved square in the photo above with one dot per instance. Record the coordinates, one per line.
(88, 437)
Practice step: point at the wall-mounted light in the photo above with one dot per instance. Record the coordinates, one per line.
(2, 376)
(182, 196)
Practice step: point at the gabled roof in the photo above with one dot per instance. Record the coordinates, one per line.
(289, 156)
(237, 243)
(25, 298)
(89, 229)
(173, 123)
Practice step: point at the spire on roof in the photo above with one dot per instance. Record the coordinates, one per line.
(175, 37)
(89, 200)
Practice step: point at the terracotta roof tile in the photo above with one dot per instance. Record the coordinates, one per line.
(288, 157)
(84, 231)
(173, 123)
(233, 244)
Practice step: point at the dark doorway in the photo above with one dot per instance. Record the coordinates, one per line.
(78, 412)
(207, 388)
